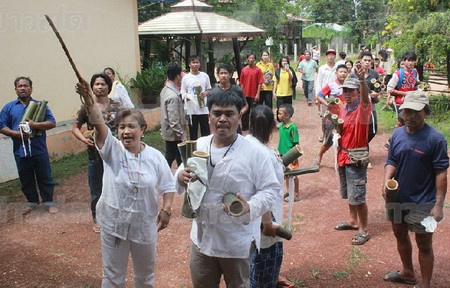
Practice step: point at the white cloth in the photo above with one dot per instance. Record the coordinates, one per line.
(121, 212)
(277, 208)
(197, 189)
(247, 170)
(120, 95)
(188, 86)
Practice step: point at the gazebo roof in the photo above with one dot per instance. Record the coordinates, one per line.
(192, 18)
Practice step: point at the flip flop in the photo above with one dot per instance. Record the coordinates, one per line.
(360, 239)
(394, 276)
(345, 226)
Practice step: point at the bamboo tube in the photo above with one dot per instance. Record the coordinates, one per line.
(292, 155)
(283, 233)
(40, 116)
(182, 150)
(303, 170)
(340, 125)
(334, 118)
(200, 154)
(36, 112)
(391, 190)
(29, 112)
(191, 146)
(333, 100)
(234, 205)
(187, 210)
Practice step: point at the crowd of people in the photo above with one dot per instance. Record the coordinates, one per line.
(127, 177)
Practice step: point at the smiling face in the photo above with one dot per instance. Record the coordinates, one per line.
(130, 132)
(100, 88)
(23, 89)
(224, 121)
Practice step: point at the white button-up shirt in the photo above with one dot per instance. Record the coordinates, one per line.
(246, 169)
(122, 212)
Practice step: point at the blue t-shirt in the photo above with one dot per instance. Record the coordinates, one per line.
(11, 116)
(417, 156)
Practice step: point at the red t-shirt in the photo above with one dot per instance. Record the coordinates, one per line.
(408, 84)
(249, 80)
(355, 133)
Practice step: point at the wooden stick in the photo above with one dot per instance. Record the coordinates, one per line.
(64, 47)
(87, 101)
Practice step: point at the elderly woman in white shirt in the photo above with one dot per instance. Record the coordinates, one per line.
(127, 211)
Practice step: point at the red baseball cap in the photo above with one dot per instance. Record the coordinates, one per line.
(330, 51)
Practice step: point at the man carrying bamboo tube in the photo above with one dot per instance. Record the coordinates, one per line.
(222, 243)
(331, 91)
(30, 153)
(355, 133)
(418, 161)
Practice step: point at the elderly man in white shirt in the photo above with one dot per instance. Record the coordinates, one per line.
(222, 243)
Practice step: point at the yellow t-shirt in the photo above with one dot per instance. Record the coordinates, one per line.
(284, 86)
(268, 79)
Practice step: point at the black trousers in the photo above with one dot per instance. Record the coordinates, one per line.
(199, 120)
(172, 152)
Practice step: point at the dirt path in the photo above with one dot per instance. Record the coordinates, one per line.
(43, 250)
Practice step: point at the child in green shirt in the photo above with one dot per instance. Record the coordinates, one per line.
(288, 138)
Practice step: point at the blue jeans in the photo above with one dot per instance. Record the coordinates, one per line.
(32, 170)
(308, 87)
(95, 178)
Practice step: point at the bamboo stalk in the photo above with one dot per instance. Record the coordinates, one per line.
(40, 117)
(29, 112)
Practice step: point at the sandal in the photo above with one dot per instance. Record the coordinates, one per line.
(27, 210)
(394, 276)
(96, 228)
(360, 239)
(283, 282)
(345, 226)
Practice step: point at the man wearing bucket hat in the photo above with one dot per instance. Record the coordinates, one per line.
(418, 161)
(352, 169)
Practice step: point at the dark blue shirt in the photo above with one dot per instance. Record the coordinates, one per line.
(417, 156)
(11, 116)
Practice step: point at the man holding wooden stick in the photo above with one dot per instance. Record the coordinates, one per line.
(30, 150)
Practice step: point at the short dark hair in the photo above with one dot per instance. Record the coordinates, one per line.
(409, 55)
(227, 98)
(173, 70)
(105, 77)
(110, 69)
(366, 53)
(262, 123)
(342, 54)
(23, 78)
(341, 66)
(227, 67)
(135, 113)
(192, 58)
(288, 108)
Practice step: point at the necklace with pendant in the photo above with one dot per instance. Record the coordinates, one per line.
(138, 180)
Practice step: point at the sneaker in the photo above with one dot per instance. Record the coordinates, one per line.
(52, 209)
(309, 103)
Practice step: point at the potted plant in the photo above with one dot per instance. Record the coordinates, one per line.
(150, 82)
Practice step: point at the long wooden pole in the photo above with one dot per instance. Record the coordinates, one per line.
(64, 47)
(87, 101)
